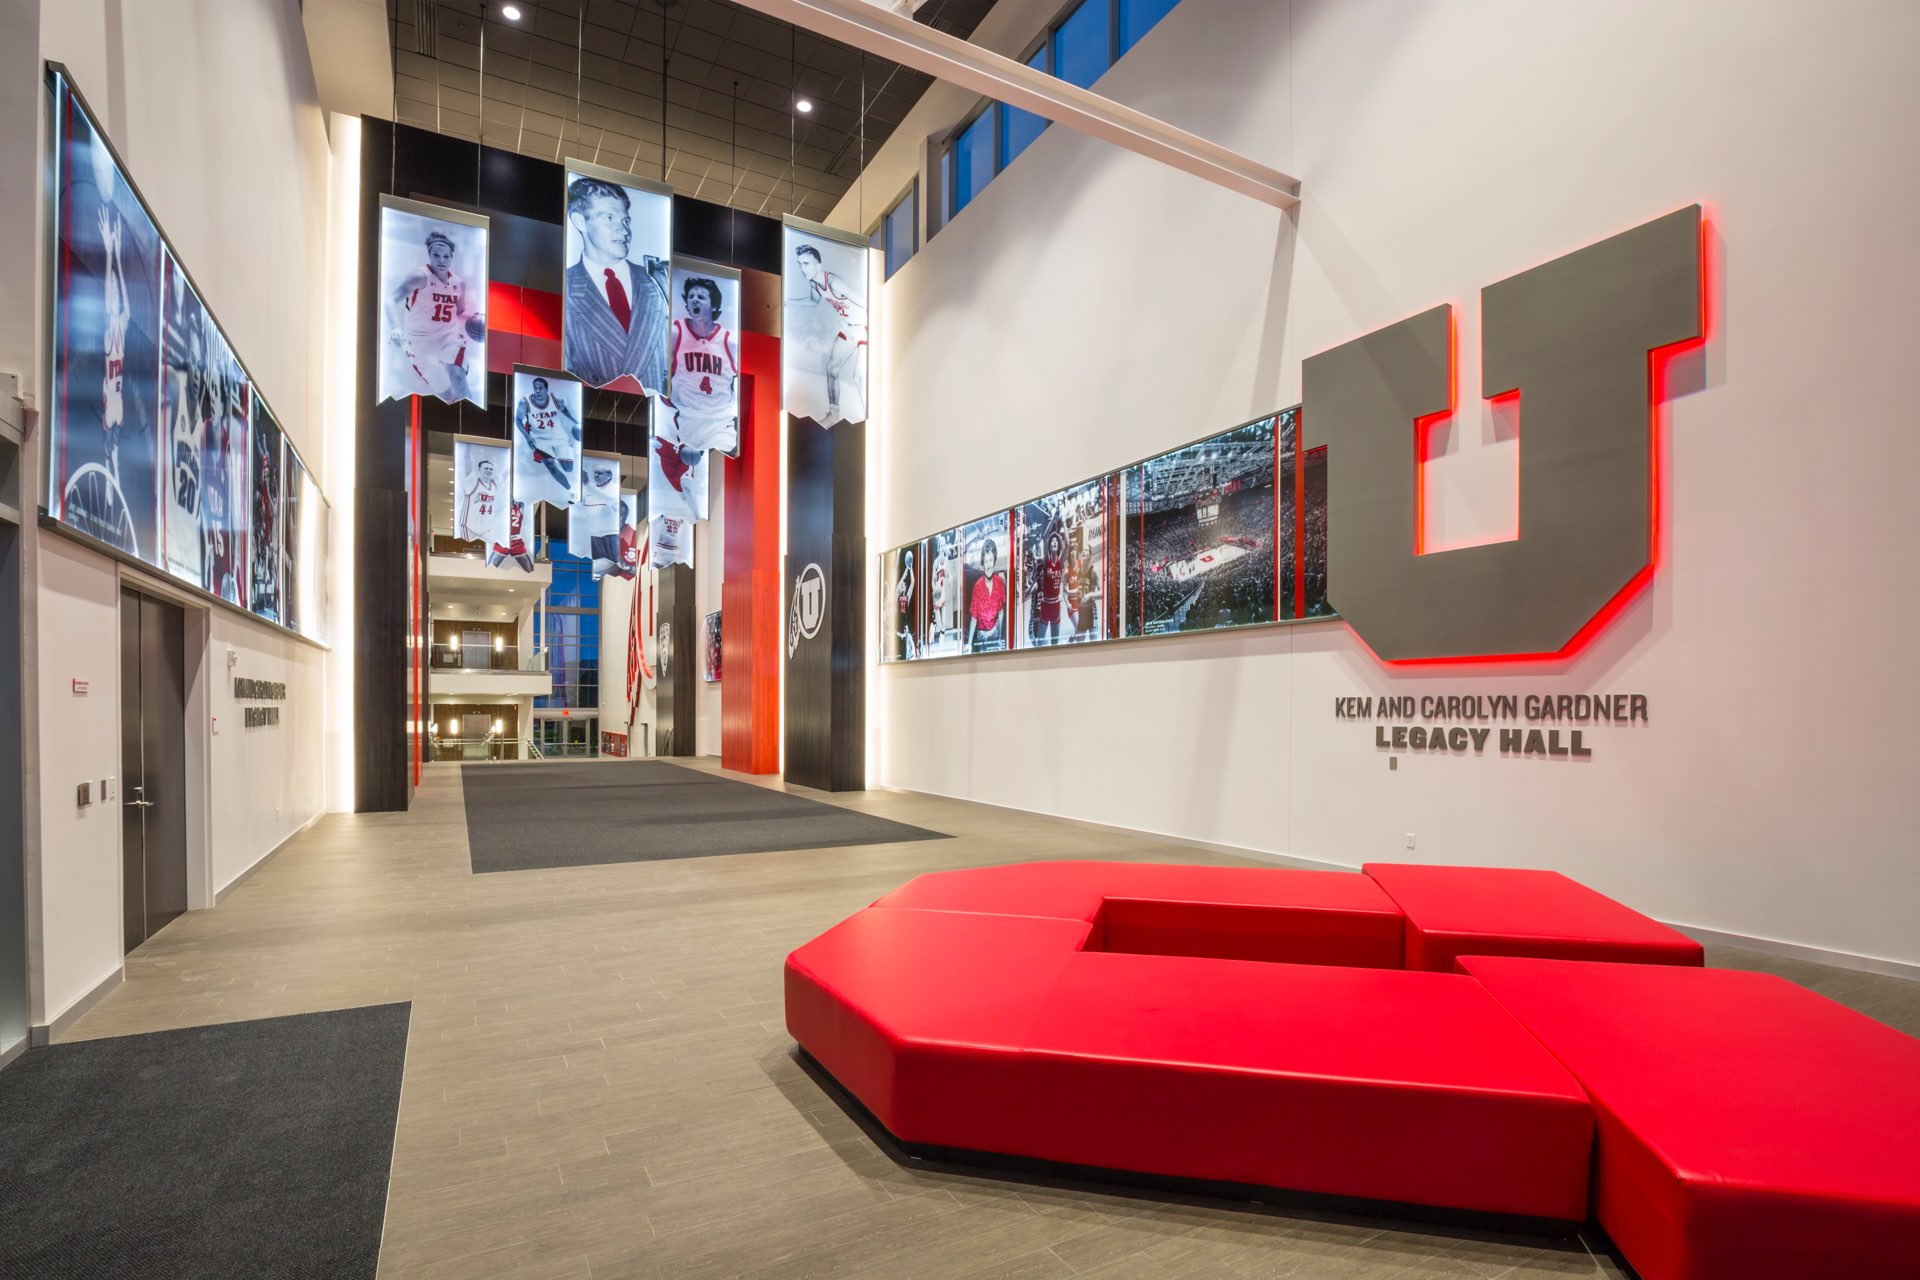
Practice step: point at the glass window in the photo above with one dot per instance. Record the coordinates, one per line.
(972, 159)
(1137, 18)
(1081, 48)
(1017, 127)
(900, 232)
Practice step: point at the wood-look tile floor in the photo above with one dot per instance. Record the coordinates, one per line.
(599, 1083)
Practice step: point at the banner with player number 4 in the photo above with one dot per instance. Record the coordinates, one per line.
(433, 301)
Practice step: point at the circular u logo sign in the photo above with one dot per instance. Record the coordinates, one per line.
(809, 607)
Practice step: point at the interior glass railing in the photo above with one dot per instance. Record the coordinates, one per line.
(487, 656)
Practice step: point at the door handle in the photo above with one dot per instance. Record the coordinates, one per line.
(142, 802)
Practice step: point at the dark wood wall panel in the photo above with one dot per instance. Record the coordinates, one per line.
(674, 693)
(826, 735)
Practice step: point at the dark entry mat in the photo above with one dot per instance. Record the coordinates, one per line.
(247, 1149)
(535, 816)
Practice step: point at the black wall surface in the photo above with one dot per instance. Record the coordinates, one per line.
(825, 676)
(673, 707)
(525, 198)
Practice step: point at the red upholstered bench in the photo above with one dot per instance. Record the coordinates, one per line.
(1002, 1034)
(1749, 1129)
(1500, 911)
(1277, 914)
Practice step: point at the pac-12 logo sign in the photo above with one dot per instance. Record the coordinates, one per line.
(809, 607)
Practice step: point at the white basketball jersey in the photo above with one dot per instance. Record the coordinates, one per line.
(433, 316)
(703, 372)
(480, 510)
(543, 426)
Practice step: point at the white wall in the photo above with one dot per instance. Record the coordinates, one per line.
(1119, 308)
(212, 106)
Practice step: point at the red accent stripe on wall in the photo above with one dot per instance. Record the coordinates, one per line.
(750, 590)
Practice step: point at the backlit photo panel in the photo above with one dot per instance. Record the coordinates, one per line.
(1312, 578)
(292, 528)
(547, 415)
(482, 479)
(946, 596)
(1062, 541)
(676, 473)
(616, 315)
(193, 418)
(823, 339)
(103, 437)
(1198, 535)
(704, 357)
(266, 515)
(593, 526)
(987, 602)
(669, 541)
(903, 574)
(224, 501)
(433, 302)
(632, 516)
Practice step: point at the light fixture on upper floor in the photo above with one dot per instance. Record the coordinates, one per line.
(803, 105)
(511, 12)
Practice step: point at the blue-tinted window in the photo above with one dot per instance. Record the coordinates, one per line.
(972, 157)
(1082, 47)
(1017, 127)
(899, 234)
(1137, 18)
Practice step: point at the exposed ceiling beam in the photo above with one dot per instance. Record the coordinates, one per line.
(867, 26)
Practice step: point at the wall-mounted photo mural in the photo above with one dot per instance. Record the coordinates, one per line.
(160, 448)
(1228, 531)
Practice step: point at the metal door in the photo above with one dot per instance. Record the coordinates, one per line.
(153, 765)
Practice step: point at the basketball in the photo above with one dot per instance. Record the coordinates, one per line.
(476, 327)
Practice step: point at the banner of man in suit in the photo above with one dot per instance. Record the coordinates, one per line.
(615, 324)
(823, 324)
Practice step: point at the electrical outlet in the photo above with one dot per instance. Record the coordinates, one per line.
(1409, 839)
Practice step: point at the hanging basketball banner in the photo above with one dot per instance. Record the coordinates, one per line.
(631, 517)
(593, 526)
(548, 409)
(703, 379)
(823, 348)
(676, 472)
(615, 312)
(671, 541)
(433, 302)
(481, 469)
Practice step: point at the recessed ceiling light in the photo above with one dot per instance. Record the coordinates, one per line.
(802, 105)
(511, 12)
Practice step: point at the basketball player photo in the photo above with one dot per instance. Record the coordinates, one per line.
(547, 427)
(901, 571)
(593, 526)
(224, 492)
(710, 648)
(669, 541)
(187, 410)
(433, 302)
(630, 520)
(945, 610)
(293, 528)
(704, 358)
(1200, 533)
(103, 418)
(1063, 567)
(676, 474)
(264, 523)
(480, 490)
(513, 545)
(986, 603)
(615, 309)
(823, 346)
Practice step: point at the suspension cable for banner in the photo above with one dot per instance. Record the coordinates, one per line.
(579, 73)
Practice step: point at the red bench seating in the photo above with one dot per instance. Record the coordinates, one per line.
(1104, 1015)
(1502, 911)
(1749, 1129)
(1000, 1034)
